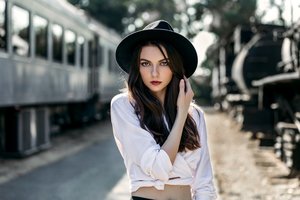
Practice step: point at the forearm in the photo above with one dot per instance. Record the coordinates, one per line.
(172, 143)
(184, 99)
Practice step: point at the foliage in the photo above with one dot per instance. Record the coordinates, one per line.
(129, 15)
(109, 12)
(227, 14)
(126, 15)
(141, 12)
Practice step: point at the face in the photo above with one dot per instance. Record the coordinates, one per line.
(155, 71)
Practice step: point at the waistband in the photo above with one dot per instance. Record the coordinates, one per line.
(139, 198)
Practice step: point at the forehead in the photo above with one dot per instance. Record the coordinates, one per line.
(152, 51)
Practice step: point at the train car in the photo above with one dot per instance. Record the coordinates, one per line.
(281, 93)
(56, 68)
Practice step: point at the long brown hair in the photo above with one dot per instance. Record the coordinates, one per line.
(151, 113)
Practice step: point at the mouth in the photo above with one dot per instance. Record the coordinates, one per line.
(155, 82)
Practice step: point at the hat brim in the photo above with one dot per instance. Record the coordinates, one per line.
(184, 47)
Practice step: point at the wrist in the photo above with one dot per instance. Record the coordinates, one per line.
(182, 113)
(181, 117)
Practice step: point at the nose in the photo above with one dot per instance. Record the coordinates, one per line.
(154, 71)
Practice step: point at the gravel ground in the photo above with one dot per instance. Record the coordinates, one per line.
(243, 170)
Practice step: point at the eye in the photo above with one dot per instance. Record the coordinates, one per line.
(145, 64)
(164, 63)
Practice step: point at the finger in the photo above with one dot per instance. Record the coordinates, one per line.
(181, 86)
(188, 84)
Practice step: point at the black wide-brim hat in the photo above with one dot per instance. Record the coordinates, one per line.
(160, 31)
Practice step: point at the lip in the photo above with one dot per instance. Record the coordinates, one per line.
(155, 82)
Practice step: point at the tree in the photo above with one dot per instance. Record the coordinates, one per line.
(226, 14)
(129, 15)
(141, 12)
(109, 13)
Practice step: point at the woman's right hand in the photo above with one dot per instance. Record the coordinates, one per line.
(185, 97)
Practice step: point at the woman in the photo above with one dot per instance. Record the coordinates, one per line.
(161, 135)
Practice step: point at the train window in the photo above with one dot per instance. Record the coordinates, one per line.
(91, 54)
(41, 34)
(20, 31)
(57, 42)
(81, 42)
(2, 24)
(70, 39)
(100, 55)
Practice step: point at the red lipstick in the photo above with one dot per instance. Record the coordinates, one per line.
(155, 82)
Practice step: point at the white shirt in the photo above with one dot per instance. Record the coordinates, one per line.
(149, 165)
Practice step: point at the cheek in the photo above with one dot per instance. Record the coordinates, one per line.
(143, 73)
(168, 74)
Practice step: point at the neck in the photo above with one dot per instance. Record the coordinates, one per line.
(161, 97)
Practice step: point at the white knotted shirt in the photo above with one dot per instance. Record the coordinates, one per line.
(149, 165)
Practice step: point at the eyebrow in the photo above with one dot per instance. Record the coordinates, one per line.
(164, 59)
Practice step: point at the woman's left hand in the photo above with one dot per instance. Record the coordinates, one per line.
(185, 97)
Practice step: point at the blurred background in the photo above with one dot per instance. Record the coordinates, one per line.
(58, 74)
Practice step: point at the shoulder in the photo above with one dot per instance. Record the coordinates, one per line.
(198, 115)
(122, 97)
(122, 111)
(121, 100)
(196, 112)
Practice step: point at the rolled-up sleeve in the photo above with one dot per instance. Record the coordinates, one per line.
(135, 144)
(203, 186)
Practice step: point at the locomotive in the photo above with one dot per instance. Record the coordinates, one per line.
(256, 79)
(57, 68)
(281, 93)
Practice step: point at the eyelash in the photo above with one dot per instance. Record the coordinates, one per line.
(145, 64)
(163, 63)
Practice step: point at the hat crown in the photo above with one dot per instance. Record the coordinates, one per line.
(162, 31)
(160, 24)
